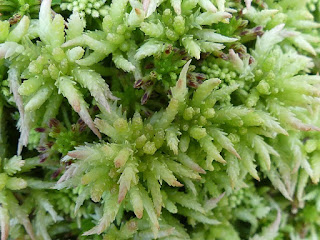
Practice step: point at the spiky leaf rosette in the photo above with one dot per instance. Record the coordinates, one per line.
(159, 24)
(287, 97)
(27, 210)
(300, 23)
(48, 71)
(230, 134)
(120, 171)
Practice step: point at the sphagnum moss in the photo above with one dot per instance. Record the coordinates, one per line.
(198, 119)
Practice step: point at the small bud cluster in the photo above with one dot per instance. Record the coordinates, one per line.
(212, 70)
(86, 8)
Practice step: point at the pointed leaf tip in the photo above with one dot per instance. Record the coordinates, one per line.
(180, 90)
(183, 75)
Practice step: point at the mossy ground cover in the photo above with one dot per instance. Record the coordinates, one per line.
(159, 119)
